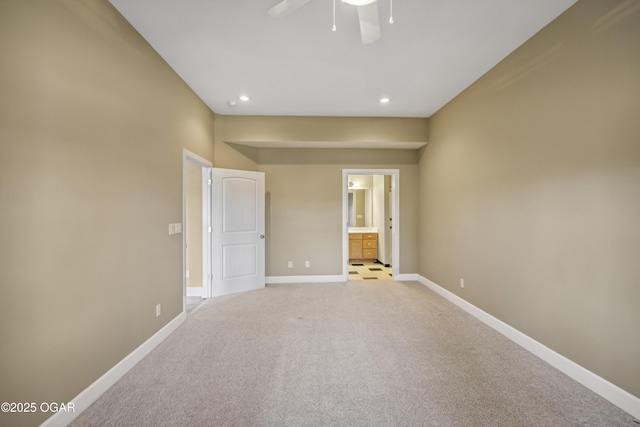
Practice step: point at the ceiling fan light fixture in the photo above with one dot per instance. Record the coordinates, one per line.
(367, 15)
(358, 2)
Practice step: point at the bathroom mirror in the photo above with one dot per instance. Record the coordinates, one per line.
(360, 201)
(359, 208)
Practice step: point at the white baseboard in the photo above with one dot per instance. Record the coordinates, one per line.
(595, 383)
(304, 279)
(406, 278)
(102, 384)
(195, 292)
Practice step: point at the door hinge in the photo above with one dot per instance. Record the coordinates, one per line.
(209, 229)
(209, 182)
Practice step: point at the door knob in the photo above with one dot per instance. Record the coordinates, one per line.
(262, 236)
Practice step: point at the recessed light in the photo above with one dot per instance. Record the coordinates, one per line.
(384, 100)
(231, 103)
(244, 98)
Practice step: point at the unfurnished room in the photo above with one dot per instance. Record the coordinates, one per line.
(319, 212)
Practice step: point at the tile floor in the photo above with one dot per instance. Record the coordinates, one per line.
(368, 270)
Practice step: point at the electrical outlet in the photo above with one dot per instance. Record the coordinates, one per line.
(307, 264)
(462, 283)
(290, 264)
(158, 310)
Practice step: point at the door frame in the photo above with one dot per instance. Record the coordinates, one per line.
(395, 230)
(206, 165)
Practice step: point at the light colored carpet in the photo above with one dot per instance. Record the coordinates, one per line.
(193, 302)
(361, 353)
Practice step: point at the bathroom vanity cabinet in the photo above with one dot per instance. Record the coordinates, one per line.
(363, 246)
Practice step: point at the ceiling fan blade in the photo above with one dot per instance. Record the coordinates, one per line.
(286, 6)
(369, 22)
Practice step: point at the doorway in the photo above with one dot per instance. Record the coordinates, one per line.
(196, 218)
(371, 237)
(223, 213)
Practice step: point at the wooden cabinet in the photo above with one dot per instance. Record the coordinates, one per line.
(363, 245)
(355, 246)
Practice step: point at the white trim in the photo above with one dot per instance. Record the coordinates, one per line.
(195, 158)
(102, 384)
(595, 383)
(193, 291)
(406, 278)
(206, 233)
(304, 279)
(395, 235)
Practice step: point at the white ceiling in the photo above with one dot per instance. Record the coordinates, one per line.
(296, 66)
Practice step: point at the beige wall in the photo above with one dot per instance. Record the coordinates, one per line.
(342, 129)
(92, 126)
(232, 156)
(304, 206)
(304, 186)
(529, 190)
(232, 129)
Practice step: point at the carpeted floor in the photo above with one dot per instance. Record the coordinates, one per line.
(193, 302)
(360, 353)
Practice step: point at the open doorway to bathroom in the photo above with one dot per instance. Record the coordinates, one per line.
(196, 205)
(370, 199)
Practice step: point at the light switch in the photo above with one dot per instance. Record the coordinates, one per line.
(178, 227)
(172, 229)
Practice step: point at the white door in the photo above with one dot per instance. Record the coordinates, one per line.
(237, 231)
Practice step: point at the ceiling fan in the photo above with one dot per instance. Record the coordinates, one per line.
(367, 15)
